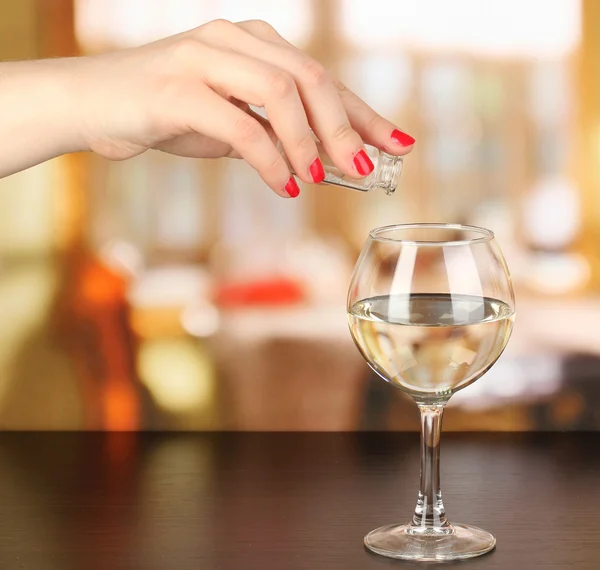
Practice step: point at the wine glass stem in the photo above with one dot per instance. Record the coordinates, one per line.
(430, 512)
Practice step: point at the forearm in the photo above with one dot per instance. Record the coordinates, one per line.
(38, 114)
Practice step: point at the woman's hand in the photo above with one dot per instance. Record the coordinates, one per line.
(190, 94)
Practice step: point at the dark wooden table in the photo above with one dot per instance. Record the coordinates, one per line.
(285, 501)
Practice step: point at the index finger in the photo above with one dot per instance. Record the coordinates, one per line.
(371, 126)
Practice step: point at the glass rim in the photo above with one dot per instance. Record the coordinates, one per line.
(485, 234)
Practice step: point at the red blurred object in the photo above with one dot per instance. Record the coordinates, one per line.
(275, 291)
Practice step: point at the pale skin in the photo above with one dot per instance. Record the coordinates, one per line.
(189, 95)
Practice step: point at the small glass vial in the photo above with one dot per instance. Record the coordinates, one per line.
(385, 175)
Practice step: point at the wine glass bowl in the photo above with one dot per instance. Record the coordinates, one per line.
(431, 308)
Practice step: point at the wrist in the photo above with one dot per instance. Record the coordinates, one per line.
(38, 109)
(61, 112)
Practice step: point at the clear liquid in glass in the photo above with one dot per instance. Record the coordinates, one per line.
(431, 345)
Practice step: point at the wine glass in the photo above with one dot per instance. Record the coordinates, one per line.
(431, 308)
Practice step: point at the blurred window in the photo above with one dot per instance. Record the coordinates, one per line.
(485, 86)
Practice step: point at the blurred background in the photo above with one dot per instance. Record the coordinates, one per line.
(173, 294)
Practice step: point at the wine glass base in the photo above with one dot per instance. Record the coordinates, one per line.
(407, 542)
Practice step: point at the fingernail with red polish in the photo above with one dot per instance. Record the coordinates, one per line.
(292, 187)
(401, 138)
(363, 163)
(316, 171)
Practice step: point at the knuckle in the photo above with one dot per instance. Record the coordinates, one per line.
(373, 120)
(248, 130)
(186, 49)
(276, 164)
(219, 24)
(313, 72)
(217, 27)
(262, 28)
(280, 83)
(307, 142)
(343, 132)
(339, 86)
